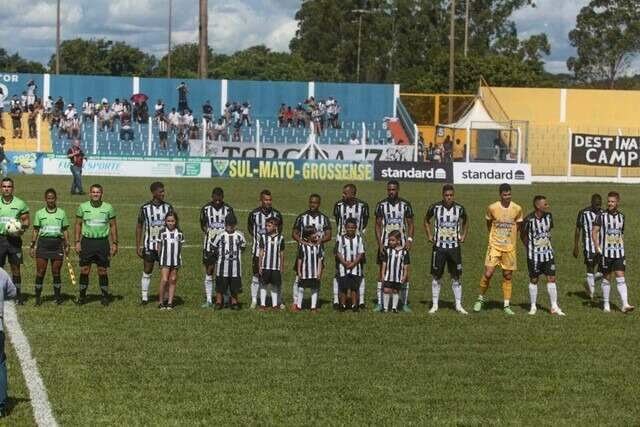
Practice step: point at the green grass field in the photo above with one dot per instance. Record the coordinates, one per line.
(127, 365)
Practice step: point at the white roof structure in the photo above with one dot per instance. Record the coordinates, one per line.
(477, 117)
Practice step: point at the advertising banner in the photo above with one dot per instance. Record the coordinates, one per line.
(414, 171)
(247, 150)
(491, 173)
(605, 150)
(23, 163)
(314, 170)
(132, 167)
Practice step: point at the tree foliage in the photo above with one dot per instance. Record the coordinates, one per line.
(17, 64)
(607, 37)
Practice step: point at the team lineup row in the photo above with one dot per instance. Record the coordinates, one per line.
(159, 240)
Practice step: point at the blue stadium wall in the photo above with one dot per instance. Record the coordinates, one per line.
(360, 102)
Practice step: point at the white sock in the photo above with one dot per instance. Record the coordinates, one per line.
(300, 296)
(396, 298)
(314, 297)
(405, 294)
(622, 290)
(294, 292)
(275, 297)
(507, 303)
(533, 294)
(263, 295)
(606, 290)
(598, 275)
(386, 298)
(379, 292)
(255, 287)
(553, 294)
(435, 292)
(144, 286)
(591, 282)
(208, 287)
(361, 291)
(335, 291)
(456, 287)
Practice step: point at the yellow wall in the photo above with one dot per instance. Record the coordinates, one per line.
(25, 143)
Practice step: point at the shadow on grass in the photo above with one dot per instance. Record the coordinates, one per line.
(14, 402)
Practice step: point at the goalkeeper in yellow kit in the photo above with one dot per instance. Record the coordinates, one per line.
(504, 219)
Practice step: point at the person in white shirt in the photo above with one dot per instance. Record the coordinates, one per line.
(88, 109)
(245, 110)
(353, 140)
(117, 108)
(174, 119)
(31, 92)
(159, 108)
(105, 118)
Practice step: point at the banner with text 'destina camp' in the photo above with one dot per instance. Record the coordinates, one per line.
(605, 150)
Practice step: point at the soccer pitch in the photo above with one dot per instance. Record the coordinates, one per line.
(131, 365)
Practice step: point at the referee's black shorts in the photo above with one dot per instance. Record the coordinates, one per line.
(50, 248)
(10, 249)
(95, 251)
(451, 258)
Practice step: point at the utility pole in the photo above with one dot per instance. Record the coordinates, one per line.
(204, 40)
(466, 27)
(359, 42)
(58, 37)
(452, 47)
(169, 44)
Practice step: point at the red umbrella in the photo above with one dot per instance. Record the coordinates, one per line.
(139, 98)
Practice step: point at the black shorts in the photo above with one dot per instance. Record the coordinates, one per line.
(349, 283)
(16, 124)
(163, 135)
(94, 251)
(271, 277)
(591, 260)
(209, 259)
(309, 283)
(609, 265)
(538, 268)
(150, 255)
(11, 249)
(392, 285)
(231, 284)
(50, 248)
(451, 258)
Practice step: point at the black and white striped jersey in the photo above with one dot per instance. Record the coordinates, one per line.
(349, 248)
(395, 260)
(342, 211)
(538, 237)
(256, 225)
(611, 233)
(317, 219)
(212, 220)
(311, 257)
(393, 214)
(447, 226)
(163, 125)
(584, 223)
(151, 217)
(170, 247)
(273, 246)
(229, 247)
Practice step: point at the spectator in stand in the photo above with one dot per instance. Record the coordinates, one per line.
(55, 120)
(437, 153)
(288, 117)
(316, 117)
(16, 120)
(77, 158)
(219, 131)
(118, 108)
(88, 109)
(159, 108)
(301, 117)
(188, 120)
(105, 118)
(430, 151)
(126, 130)
(174, 120)
(194, 130)
(47, 108)
(181, 140)
(31, 121)
(59, 104)
(421, 152)
(354, 139)
(447, 148)
(245, 111)
(281, 112)
(237, 124)
(182, 96)
(3, 157)
(461, 149)
(228, 112)
(31, 93)
(23, 100)
(207, 112)
(163, 130)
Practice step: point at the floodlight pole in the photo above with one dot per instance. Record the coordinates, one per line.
(58, 37)
(204, 40)
(451, 59)
(169, 43)
(359, 42)
(466, 28)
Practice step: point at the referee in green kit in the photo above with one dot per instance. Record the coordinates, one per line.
(95, 223)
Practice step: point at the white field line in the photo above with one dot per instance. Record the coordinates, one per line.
(39, 400)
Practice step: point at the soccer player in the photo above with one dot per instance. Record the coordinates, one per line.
(395, 269)
(11, 207)
(95, 223)
(228, 247)
(168, 245)
(310, 218)
(49, 242)
(310, 263)
(350, 207)
(270, 262)
(257, 227)
(151, 219)
(608, 236)
(504, 219)
(349, 253)
(393, 214)
(584, 227)
(212, 218)
(536, 236)
(449, 229)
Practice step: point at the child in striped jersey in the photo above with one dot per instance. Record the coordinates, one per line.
(169, 247)
(271, 259)
(349, 252)
(395, 270)
(228, 247)
(310, 264)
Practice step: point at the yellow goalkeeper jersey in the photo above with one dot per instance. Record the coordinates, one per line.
(504, 226)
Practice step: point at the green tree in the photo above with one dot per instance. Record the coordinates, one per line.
(17, 64)
(184, 61)
(607, 37)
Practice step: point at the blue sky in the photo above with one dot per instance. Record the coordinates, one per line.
(29, 25)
